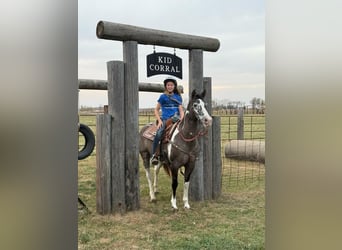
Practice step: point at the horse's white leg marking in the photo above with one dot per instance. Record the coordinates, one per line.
(174, 202)
(186, 195)
(148, 176)
(156, 172)
(169, 146)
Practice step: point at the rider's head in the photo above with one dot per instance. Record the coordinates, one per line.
(171, 80)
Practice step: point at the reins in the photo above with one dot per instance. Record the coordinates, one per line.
(200, 133)
(180, 127)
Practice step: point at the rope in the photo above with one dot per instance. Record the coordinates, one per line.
(200, 133)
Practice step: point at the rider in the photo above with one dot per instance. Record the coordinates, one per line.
(170, 103)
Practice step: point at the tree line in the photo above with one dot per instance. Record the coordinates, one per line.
(256, 106)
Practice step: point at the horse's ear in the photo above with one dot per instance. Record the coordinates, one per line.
(203, 93)
(193, 94)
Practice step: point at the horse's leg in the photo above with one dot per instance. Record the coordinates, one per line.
(156, 172)
(174, 187)
(149, 180)
(188, 170)
(146, 159)
(186, 195)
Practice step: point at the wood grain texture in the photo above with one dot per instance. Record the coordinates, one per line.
(124, 32)
(131, 95)
(196, 188)
(103, 85)
(116, 84)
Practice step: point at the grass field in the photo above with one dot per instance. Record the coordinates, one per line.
(234, 221)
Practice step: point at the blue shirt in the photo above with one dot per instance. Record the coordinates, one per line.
(169, 105)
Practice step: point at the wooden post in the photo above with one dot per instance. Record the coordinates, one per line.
(103, 168)
(240, 125)
(131, 95)
(115, 71)
(207, 146)
(196, 189)
(105, 109)
(217, 162)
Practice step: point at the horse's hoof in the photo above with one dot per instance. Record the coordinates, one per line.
(187, 207)
(174, 209)
(154, 200)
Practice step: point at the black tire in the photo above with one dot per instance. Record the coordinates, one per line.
(89, 144)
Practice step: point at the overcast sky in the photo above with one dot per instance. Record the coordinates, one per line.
(237, 68)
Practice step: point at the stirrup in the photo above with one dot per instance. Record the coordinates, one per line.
(154, 160)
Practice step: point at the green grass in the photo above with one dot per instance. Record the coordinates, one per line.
(234, 221)
(254, 127)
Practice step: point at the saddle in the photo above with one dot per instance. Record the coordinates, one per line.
(170, 127)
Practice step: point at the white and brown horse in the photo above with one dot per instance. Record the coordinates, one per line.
(181, 150)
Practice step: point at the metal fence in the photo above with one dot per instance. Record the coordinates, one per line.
(243, 127)
(234, 171)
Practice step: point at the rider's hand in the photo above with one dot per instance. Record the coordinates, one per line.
(160, 123)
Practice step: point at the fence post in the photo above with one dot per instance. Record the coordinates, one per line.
(131, 95)
(196, 82)
(240, 125)
(103, 164)
(217, 161)
(115, 72)
(207, 146)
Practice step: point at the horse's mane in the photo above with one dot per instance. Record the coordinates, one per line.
(194, 97)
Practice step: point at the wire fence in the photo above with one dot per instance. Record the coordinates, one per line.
(234, 171)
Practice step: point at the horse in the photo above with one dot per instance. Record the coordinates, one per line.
(182, 149)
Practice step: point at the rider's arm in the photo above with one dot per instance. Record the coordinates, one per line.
(156, 113)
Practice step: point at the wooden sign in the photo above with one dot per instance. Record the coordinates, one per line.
(164, 64)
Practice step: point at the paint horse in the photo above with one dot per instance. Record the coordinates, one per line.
(182, 149)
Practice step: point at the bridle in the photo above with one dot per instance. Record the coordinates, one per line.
(194, 151)
(200, 133)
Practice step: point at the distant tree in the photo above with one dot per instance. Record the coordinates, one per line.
(257, 104)
(254, 102)
(214, 103)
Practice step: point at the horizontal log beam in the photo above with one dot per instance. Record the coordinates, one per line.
(253, 150)
(124, 32)
(103, 85)
(92, 84)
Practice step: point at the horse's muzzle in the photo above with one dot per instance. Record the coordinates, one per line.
(207, 122)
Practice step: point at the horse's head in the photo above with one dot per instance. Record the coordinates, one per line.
(197, 106)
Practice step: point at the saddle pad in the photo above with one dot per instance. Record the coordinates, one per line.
(150, 132)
